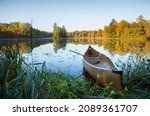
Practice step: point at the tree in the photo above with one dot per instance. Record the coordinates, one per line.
(18, 29)
(63, 32)
(99, 33)
(141, 25)
(113, 22)
(147, 28)
(59, 32)
(121, 28)
(56, 31)
(110, 31)
(140, 19)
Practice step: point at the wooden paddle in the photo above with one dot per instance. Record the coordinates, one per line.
(76, 52)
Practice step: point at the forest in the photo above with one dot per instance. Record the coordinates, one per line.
(123, 29)
(22, 30)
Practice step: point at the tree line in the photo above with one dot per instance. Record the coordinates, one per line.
(17, 29)
(123, 29)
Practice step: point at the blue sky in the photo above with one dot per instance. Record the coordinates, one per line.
(74, 14)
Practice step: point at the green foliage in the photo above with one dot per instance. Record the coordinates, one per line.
(63, 32)
(31, 83)
(28, 83)
(10, 64)
(59, 37)
(136, 78)
(59, 32)
(56, 32)
(113, 22)
(10, 68)
(61, 44)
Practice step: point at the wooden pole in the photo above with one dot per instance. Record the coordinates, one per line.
(76, 52)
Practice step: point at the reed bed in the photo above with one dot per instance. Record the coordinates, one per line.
(19, 80)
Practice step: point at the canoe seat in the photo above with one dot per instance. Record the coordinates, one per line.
(92, 60)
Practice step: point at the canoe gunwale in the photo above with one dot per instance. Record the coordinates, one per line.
(97, 67)
(114, 70)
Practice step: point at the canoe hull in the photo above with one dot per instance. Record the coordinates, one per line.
(104, 76)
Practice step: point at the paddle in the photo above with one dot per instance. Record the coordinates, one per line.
(76, 52)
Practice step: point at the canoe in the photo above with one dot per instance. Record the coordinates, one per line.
(101, 68)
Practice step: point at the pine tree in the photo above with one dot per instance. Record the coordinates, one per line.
(56, 33)
(63, 32)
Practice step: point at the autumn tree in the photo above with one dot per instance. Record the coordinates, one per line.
(18, 29)
(99, 33)
(141, 25)
(122, 28)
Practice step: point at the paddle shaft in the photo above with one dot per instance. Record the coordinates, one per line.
(76, 52)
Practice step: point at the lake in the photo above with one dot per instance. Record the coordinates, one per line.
(57, 57)
(63, 59)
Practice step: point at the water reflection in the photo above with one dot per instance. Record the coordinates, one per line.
(64, 60)
(24, 44)
(57, 56)
(59, 44)
(135, 46)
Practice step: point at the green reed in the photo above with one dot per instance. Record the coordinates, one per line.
(136, 78)
(19, 80)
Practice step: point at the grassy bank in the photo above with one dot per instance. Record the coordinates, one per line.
(19, 80)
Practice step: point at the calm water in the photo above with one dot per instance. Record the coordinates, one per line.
(64, 60)
(57, 56)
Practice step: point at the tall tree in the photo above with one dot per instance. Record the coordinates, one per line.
(63, 32)
(141, 25)
(99, 33)
(56, 31)
(120, 29)
(113, 22)
(59, 32)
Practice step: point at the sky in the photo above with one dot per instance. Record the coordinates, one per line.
(74, 14)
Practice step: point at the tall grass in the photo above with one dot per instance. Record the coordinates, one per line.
(136, 78)
(18, 80)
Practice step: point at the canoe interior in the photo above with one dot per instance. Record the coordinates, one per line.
(98, 59)
(100, 67)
